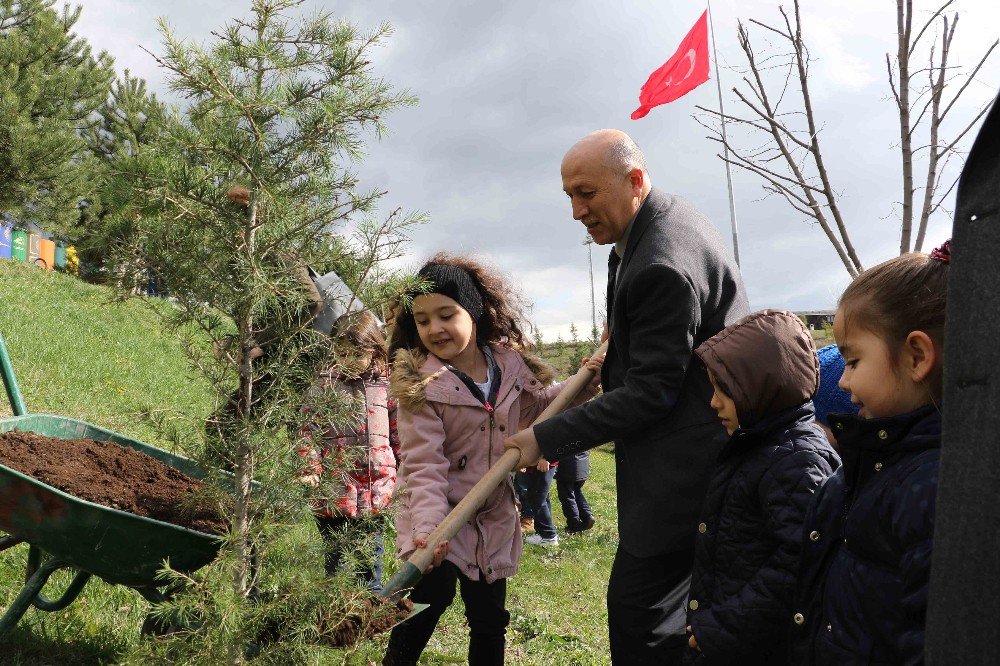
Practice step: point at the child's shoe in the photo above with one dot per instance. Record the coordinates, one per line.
(579, 526)
(537, 540)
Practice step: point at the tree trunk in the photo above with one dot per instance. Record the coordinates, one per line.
(904, 22)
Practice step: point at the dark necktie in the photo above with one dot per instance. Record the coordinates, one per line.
(613, 261)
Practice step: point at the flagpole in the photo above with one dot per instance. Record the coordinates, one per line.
(725, 144)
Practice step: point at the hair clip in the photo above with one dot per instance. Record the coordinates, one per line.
(942, 253)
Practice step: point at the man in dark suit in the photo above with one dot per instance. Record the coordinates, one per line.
(671, 285)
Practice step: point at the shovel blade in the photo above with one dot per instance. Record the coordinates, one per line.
(417, 608)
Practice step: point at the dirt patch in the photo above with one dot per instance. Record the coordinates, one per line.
(111, 475)
(376, 616)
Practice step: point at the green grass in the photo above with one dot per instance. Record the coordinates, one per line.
(78, 353)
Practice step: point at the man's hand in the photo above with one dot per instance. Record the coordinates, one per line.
(420, 541)
(525, 442)
(692, 641)
(543, 465)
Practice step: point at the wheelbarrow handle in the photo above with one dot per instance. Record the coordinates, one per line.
(10, 382)
(418, 563)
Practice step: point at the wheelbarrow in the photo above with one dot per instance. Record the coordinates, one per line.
(66, 532)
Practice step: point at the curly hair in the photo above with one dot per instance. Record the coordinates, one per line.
(503, 309)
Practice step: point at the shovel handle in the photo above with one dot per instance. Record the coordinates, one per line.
(421, 559)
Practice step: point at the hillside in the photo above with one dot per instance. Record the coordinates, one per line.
(77, 352)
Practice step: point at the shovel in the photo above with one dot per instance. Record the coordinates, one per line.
(416, 566)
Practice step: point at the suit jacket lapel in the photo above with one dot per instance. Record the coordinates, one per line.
(643, 220)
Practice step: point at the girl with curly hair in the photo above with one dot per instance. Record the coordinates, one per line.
(464, 382)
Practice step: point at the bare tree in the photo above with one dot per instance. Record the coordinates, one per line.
(788, 155)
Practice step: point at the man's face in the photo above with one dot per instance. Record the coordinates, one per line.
(604, 201)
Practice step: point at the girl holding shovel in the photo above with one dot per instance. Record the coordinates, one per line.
(463, 384)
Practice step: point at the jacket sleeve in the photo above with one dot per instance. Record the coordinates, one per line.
(664, 314)
(421, 454)
(533, 404)
(753, 618)
(913, 529)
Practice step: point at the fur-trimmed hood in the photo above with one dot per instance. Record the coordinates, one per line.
(413, 371)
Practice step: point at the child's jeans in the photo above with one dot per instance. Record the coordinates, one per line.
(538, 500)
(521, 488)
(484, 609)
(337, 537)
(574, 504)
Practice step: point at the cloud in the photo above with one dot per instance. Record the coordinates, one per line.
(505, 88)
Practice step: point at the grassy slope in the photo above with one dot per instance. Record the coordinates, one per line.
(76, 353)
(79, 354)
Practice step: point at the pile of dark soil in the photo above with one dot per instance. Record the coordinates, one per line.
(111, 475)
(376, 616)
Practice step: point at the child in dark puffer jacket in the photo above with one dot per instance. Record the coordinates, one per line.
(869, 535)
(764, 371)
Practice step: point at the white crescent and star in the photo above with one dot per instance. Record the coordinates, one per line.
(690, 56)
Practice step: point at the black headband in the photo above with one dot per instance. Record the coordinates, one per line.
(455, 283)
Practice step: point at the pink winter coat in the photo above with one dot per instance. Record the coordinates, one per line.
(448, 441)
(355, 460)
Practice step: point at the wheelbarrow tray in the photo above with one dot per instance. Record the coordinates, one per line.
(117, 546)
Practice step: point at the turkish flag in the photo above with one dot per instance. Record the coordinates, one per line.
(686, 70)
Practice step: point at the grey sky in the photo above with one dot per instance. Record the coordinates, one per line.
(506, 87)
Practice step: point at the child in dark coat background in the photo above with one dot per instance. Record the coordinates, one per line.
(830, 398)
(750, 538)
(572, 472)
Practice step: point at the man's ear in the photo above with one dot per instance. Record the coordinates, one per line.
(920, 355)
(636, 179)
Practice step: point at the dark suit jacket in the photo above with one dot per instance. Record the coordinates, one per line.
(677, 286)
(964, 565)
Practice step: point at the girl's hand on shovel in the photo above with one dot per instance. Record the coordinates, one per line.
(594, 365)
(420, 541)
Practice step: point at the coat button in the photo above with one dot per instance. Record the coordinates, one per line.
(829, 627)
(702, 527)
(882, 434)
(878, 467)
(489, 570)
(799, 618)
(838, 426)
(502, 428)
(814, 536)
(693, 604)
(483, 428)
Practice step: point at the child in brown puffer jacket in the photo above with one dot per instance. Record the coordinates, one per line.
(764, 370)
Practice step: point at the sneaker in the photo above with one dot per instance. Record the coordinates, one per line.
(537, 540)
(527, 524)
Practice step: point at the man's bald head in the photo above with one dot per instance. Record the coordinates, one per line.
(612, 148)
(605, 176)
